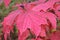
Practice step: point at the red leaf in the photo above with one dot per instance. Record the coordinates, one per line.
(8, 23)
(24, 35)
(55, 36)
(36, 39)
(52, 18)
(7, 2)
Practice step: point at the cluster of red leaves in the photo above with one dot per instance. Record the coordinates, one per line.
(39, 16)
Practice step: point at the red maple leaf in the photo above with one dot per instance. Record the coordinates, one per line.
(30, 16)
